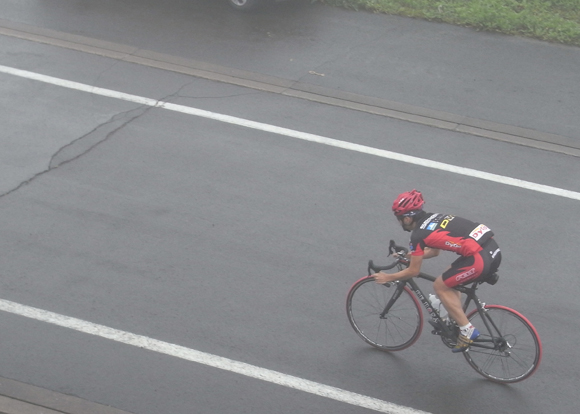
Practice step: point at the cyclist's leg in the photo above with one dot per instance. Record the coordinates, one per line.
(451, 299)
(464, 269)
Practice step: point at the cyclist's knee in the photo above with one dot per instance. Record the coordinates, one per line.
(439, 285)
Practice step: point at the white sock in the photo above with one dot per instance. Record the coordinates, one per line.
(467, 330)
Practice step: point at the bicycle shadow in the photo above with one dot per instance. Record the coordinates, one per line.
(447, 385)
(469, 395)
(367, 359)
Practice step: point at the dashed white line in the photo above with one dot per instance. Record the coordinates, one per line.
(294, 134)
(207, 359)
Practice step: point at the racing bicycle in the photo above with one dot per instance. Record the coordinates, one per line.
(389, 317)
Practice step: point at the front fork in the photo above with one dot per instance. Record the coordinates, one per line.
(396, 295)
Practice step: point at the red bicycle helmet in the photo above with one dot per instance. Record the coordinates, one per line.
(408, 203)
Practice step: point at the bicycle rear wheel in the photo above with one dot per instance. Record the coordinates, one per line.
(518, 349)
(398, 329)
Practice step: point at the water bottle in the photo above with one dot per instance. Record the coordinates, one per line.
(436, 303)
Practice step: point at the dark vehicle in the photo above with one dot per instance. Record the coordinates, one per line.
(247, 4)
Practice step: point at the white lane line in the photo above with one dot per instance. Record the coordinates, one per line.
(207, 359)
(295, 134)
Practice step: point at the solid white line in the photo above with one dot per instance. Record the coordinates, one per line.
(295, 134)
(207, 359)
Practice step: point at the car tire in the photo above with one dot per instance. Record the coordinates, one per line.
(244, 5)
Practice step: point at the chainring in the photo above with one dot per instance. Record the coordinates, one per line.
(450, 342)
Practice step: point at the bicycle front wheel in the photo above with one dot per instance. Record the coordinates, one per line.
(517, 349)
(398, 329)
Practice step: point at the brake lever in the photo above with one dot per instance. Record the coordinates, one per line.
(399, 250)
(392, 246)
(370, 268)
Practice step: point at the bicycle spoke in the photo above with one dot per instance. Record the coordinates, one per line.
(398, 329)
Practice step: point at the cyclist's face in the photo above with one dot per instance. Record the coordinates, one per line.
(405, 222)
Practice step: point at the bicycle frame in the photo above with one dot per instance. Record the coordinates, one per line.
(441, 327)
(436, 320)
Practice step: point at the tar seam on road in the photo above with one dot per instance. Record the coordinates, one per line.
(204, 358)
(438, 119)
(515, 182)
(19, 398)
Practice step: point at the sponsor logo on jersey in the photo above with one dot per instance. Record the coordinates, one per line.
(479, 231)
(446, 221)
(453, 245)
(429, 220)
(465, 275)
(432, 226)
(493, 254)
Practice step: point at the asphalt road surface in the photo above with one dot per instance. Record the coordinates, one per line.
(187, 194)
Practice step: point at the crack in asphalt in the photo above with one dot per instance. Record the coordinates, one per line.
(207, 97)
(69, 152)
(92, 139)
(89, 141)
(544, 141)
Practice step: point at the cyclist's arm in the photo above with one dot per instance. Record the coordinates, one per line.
(431, 252)
(413, 270)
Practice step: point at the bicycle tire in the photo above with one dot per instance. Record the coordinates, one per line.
(523, 352)
(401, 327)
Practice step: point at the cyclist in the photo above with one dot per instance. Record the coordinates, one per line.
(432, 232)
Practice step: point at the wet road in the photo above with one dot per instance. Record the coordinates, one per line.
(242, 243)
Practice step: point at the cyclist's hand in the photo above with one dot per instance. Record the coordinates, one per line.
(383, 278)
(402, 255)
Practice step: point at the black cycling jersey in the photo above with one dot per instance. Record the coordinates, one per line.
(447, 232)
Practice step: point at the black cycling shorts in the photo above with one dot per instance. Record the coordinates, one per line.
(468, 269)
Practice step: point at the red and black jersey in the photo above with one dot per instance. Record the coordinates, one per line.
(447, 232)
